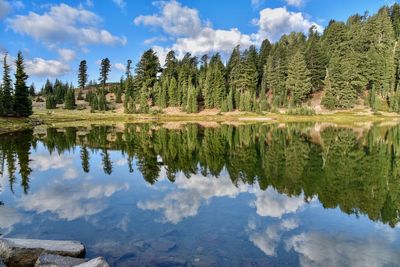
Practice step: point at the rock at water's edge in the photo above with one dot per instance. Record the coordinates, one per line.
(25, 252)
(97, 262)
(51, 260)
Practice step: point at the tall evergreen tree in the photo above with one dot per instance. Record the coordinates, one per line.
(22, 102)
(298, 81)
(7, 90)
(105, 67)
(82, 74)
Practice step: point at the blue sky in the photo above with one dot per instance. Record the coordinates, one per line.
(55, 35)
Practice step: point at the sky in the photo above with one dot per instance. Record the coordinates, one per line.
(54, 36)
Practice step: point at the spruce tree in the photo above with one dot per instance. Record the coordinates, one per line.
(105, 67)
(82, 74)
(191, 106)
(7, 90)
(22, 102)
(51, 102)
(298, 80)
(69, 102)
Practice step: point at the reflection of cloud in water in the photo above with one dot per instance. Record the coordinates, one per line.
(192, 192)
(8, 217)
(273, 204)
(318, 249)
(267, 240)
(185, 202)
(71, 201)
(44, 162)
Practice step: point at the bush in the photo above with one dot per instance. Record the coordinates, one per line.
(302, 111)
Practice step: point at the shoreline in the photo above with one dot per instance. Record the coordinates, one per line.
(71, 117)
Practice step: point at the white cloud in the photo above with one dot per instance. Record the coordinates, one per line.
(5, 7)
(274, 22)
(64, 24)
(267, 240)
(72, 201)
(9, 217)
(120, 3)
(273, 204)
(66, 54)
(42, 162)
(89, 3)
(186, 201)
(174, 19)
(198, 37)
(319, 249)
(119, 66)
(46, 68)
(296, 3)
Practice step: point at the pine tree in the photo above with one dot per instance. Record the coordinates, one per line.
(118, 94)
(298, 80)
(51, 102)
(32, 90)
(7, 91)
(105, 67)
(316, 60)
(191, 106)
(22, 102)
(82, 74)
(69, 99)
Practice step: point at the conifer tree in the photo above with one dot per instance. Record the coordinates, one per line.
(105, 67)
(82, 74)
(192, 106)
(22, 102)
(51, 102)
(7, 90)
(298, 80)
(69, 99)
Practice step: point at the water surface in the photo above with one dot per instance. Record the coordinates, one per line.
(194, 195)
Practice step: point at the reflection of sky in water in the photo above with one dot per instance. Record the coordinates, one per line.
(202, 219)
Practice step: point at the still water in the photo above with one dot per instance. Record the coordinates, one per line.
(195, 195)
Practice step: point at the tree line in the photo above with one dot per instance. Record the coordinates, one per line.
(350, 61)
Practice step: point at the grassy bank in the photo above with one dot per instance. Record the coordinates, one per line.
(66, 116)
(82, 117)
(17, 124)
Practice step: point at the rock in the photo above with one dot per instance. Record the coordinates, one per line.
(25, 252)
(51, 260)
(97, 262)
(2, 264)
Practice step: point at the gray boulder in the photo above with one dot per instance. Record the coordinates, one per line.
(97, 262)
(51, 260)
(25, 252)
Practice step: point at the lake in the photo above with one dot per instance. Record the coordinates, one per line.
(207, 194)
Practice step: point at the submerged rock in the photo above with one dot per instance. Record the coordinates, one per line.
(51, 260)
(97, 262)
(25, 252)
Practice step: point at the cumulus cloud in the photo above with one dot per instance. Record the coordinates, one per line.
(9, 217)
(64, 24)
(186, 201)
(72, 201)
(42, 162)
(274, 22)
(320, 249)
(5, 7)
(46, 68)
(174, 19)
(268, 239)
(271, 203)
(66, 54)
(192, 34)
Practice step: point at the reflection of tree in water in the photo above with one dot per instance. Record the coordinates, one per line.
(357, 173)
(15, 150)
